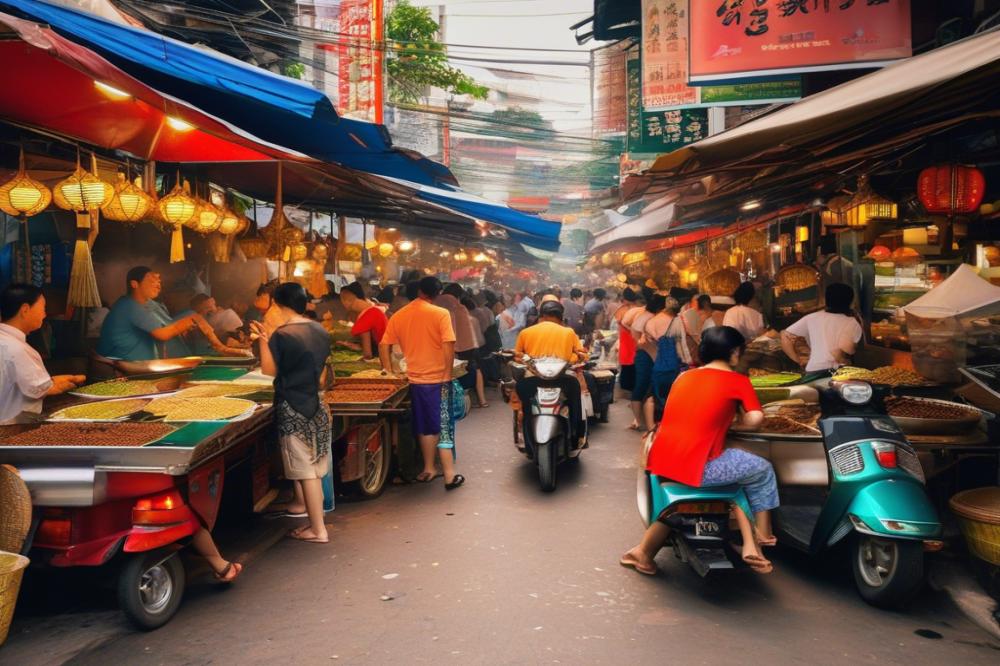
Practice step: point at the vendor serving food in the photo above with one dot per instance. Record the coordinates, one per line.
(833, 334)
(24, 381)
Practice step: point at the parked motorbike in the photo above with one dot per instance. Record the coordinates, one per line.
(861, 482)
(545, 436)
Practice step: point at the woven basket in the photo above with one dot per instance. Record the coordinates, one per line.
(11, 570)
(797, 277)
(721, 283)
(978, 514)
(15, 510)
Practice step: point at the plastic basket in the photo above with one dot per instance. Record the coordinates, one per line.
(11, 570)
(978, 513)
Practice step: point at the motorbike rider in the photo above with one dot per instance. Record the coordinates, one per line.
(550, 338)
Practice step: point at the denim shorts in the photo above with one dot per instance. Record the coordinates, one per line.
(643, 376)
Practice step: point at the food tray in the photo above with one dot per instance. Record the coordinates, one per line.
(343, 381)
(391, 401)
(234, 361)
(54, 416)
(251, 407)
(116, 429)
(163, 384)
(917, 426)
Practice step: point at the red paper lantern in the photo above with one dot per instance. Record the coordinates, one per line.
(951, 188)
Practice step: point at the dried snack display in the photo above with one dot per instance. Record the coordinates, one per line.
(775, 379)
(890, 375)
(89, 434)
(361, 393)
(106, 410)
(220, 390)
(927, 409)
(118, 388)
(176, 408)
(786, 426)
(805, 414)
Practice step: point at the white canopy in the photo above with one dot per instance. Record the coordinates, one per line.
(963, 294)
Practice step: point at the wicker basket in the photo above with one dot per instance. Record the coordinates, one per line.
(11, 570)
(978, 514)
(15, 510)
(721, 283)
(797, 277)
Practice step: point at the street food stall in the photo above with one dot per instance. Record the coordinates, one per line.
(122, 472)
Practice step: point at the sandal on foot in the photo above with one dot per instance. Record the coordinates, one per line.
(297, 535)
(456, 481)
(630, 563)
(426, 477)
(223, 575)
(758, 564)
(767, 542)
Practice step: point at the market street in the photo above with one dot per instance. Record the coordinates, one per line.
(498, 572)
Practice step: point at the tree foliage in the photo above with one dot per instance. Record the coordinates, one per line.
(417, 60)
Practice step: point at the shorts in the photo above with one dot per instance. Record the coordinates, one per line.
(643, 376)
(471, 356)
(627, 377)
(297, 456)
(425, 406)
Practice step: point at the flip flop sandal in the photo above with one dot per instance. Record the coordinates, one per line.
(632, 564)
(768, 543)
(456, 481)
(296, 534)
(284, 514)
(758, 564)
(222, 576)
(423, 478)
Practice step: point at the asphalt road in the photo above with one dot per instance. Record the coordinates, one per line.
(499, 573)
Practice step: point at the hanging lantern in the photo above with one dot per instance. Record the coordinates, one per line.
(130, 203)
(866, 206)
(83, 191)
(229, 223)
(23, 196)
(480, 258)
(802, 234)
(253, 247)
(951, 188)
(461, 257)
(405, 247)
(386, 249)
(300, 251)
(207, 219)
(177, 209)
(244, 224)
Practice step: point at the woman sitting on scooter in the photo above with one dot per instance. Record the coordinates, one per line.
(689, 446)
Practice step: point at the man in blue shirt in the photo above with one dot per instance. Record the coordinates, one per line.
(137, 323)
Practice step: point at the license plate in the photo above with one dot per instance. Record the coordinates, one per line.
(706, 528)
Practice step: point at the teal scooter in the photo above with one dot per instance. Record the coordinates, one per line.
(861, 482)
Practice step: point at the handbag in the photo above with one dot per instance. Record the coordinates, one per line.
(457, 400)
(691, 343)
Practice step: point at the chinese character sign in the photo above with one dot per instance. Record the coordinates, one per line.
(357, 67)
(734, 39)
(665, 55)
(657, 131)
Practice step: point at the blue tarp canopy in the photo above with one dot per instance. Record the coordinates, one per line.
(274, 109)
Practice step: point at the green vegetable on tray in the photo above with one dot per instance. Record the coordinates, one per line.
(119, 388)
(776, 379)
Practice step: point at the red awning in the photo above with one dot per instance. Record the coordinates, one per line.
(53, 84)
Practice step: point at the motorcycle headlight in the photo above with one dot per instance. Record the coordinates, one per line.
(856, 393)
(548, 368)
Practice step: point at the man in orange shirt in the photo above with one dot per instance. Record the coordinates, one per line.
(549, 337)
(425, 334)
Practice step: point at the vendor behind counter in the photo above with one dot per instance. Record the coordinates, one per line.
(833, 334)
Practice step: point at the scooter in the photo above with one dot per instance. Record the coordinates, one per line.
(546, 430)
(861, 482)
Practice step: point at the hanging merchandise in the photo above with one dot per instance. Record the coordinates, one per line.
(84, 193)
(866, 205)
(951, 188)
(229, 224)
(22, 196)
(207, 219)
(129, 203)
(177, 209)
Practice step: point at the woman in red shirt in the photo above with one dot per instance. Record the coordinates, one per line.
(689, 446)
(371, 320)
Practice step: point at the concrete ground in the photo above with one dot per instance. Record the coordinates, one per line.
(498, 572)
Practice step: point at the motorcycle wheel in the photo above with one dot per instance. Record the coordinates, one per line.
(150, 588)
(887, 572)
(546, 459)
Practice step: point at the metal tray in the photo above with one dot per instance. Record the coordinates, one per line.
(917, 426)
(165, 383)
(156, 367)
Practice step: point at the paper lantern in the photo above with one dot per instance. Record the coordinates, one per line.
(178, 207)
(129, 202)
(866, 206)
(253, 247)
(206, 219)
(243, 225)
(386, 249)
(299, 251)
(23, 196)
(406, 247)
(802, 234)
(951, 188)
(82, 191)
(229, 223)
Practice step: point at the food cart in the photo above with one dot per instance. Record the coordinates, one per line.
(128, 492)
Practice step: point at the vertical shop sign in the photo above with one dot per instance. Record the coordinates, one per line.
(658, 131)
(665, 55)
(359, 67)
(734, 39)
(609, 90)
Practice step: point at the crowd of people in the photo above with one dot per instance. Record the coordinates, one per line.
(677, 355)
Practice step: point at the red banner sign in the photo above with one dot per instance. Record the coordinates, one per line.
(734, 39)
(359, 68)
